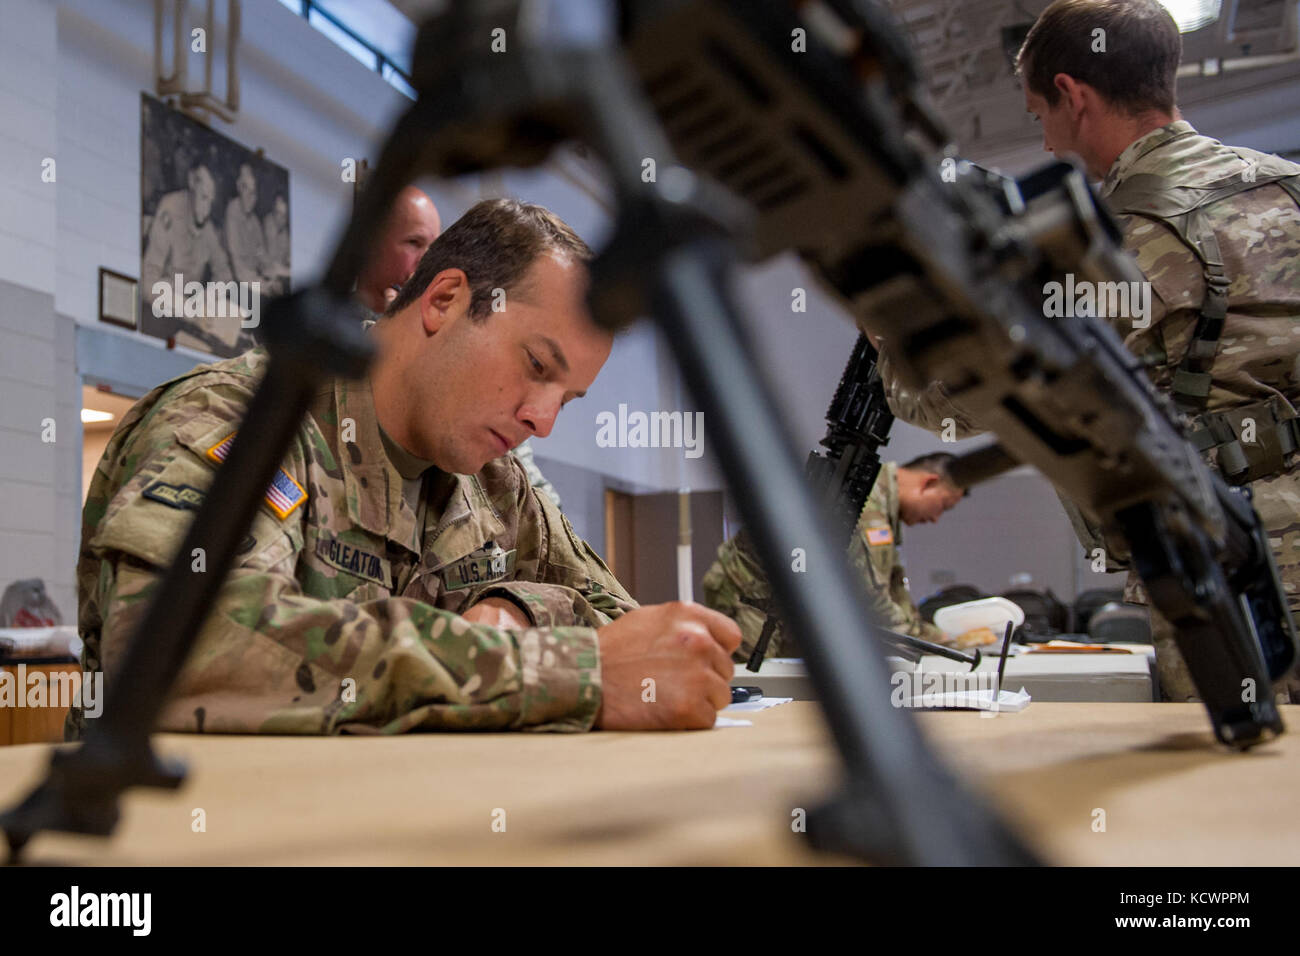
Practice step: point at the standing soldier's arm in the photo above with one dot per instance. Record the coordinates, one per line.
(875, 561)
(930, 409)
(1175, 291)
(272, 659)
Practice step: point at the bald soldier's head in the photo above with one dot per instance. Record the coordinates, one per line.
(412, 226)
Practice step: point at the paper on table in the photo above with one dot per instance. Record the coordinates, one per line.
(57, 641)
(763, 703)
(731, 722)
(1007, 703)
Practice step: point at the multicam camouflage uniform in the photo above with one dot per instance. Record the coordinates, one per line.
(342, 611)
(539, 481)
(736, 586)
(1251, 373)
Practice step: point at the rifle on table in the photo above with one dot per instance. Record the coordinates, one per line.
(857, 424)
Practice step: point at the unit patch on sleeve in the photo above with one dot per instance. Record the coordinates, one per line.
(283, 495)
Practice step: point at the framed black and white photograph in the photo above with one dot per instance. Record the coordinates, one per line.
(214, 233)
(117, 299)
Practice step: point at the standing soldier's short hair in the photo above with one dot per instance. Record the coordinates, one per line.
(1136, 71)
(494, 244)
(936, 463)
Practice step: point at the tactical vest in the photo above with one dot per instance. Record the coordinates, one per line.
(1183, 209)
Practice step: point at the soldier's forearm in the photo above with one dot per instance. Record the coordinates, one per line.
(272, 660)
(929, 408)
(555, 605)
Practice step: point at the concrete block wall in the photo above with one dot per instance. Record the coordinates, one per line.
(39, 479)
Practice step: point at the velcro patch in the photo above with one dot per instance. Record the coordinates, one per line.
(879, 536)
(284, 493)
(482, 567)
(355, 561)
(183, 497)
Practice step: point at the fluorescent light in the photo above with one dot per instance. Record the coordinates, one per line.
(1191, 15)
(89, 416)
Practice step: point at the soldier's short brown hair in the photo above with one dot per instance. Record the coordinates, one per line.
(936, 463)
(1135, 73)
(494, 244)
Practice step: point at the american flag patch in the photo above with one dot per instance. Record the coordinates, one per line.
(284, 493)
(879, 536)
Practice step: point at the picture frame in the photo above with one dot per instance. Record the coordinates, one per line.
(118, 299)
(214, 233)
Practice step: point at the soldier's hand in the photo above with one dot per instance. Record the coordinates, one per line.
(497, 612)
(666, 667)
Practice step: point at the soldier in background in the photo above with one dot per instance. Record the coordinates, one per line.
(918, 492)
(1216, 231)
(400, 572)
(412, 225)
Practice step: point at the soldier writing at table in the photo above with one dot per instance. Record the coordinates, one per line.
(401, 573)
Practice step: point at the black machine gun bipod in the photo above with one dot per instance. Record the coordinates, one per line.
(581, 76)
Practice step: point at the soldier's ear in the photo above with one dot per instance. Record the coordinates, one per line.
(446, 297)
(1071, 90)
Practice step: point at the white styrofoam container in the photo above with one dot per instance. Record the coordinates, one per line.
(993, 613)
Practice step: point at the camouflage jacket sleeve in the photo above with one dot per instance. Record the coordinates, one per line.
(736, 586)
(273, 659)
(1092, 538)
(874, 553)
(569, 585)
(930, 409)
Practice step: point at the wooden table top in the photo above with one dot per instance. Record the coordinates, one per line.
(1169, 794)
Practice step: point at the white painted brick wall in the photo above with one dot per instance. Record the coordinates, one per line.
(28, 370)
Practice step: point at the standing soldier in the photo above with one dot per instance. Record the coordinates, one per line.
(1216, 231)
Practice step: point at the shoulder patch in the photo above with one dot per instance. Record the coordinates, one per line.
(284, 493)
(184, 497)
(878, 536)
